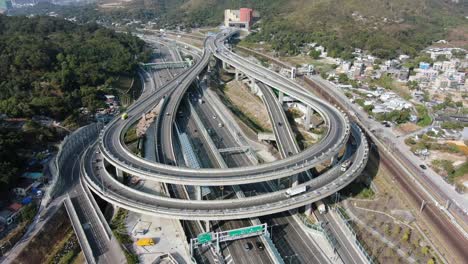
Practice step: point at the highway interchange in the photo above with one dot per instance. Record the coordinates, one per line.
(116, 153)
(109, 149)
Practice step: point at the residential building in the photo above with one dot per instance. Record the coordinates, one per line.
(7, 216)
(23, 187)
(4, 6)
(465, 133)
(424, 65)
(436, 52)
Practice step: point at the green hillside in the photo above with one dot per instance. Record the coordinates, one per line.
(386, 27)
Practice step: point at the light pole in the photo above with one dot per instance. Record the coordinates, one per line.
(271, 230)
(222, 191)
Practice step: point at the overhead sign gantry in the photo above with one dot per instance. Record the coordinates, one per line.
(210, 238)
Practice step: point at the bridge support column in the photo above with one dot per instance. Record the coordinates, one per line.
(280, 97)
(334, 160)
(119, 174)
(307, 117)
(253, 86)
(294, 180)
(198, 193)
(237, 73)
(224, 65)
(308, 209)
(207, 226)
(293, 72)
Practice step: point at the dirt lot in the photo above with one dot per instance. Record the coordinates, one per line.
(251, 105)
(406, 128)
(388, 227)
(44, 244)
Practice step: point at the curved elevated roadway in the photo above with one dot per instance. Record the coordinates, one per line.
(114, 151)
(110, 189)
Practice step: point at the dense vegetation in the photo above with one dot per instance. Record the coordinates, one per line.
(51, 67)
(384, 27)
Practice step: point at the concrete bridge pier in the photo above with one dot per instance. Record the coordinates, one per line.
(308, 209)
(119, 174)
(294, 180)
(198, 193)
(225, 66)
(293, 72)
(280, 97)
(237, 73)
(253, 85)
(307, 117)
(334, 160)
(207, 226)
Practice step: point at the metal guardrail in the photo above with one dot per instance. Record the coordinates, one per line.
(79, 138)
(319, 229)
(273, 248)
(79, 231)
(368, 257)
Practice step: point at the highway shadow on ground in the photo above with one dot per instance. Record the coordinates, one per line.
(363, 182)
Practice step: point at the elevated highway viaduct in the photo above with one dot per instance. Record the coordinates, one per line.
(116, 153)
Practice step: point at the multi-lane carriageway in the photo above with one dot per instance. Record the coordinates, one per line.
(113, 151)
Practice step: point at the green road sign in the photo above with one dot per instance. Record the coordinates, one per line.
(205, 238)
(245, 231)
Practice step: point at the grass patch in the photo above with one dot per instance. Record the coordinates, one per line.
(120, 232)
(43, 244)
(295, 113)
(423, 116)
(359, 190)
(387, 82)
(69, 245)
(131, 136)
(118, 227)
(247, 119)
(446, 169)
(427, 142)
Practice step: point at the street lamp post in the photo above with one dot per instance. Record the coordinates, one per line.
(271, 230)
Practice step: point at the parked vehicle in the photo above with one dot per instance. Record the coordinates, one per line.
(143, 242)
(124, 116)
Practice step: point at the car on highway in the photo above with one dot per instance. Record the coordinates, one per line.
(248, 246)
(260, 245)
(423, 166)
(280, 124)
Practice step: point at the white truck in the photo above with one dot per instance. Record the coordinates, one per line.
(295, 190)
(345, 165)
(321, 207)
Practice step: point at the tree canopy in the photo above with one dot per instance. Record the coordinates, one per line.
(46, 64)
